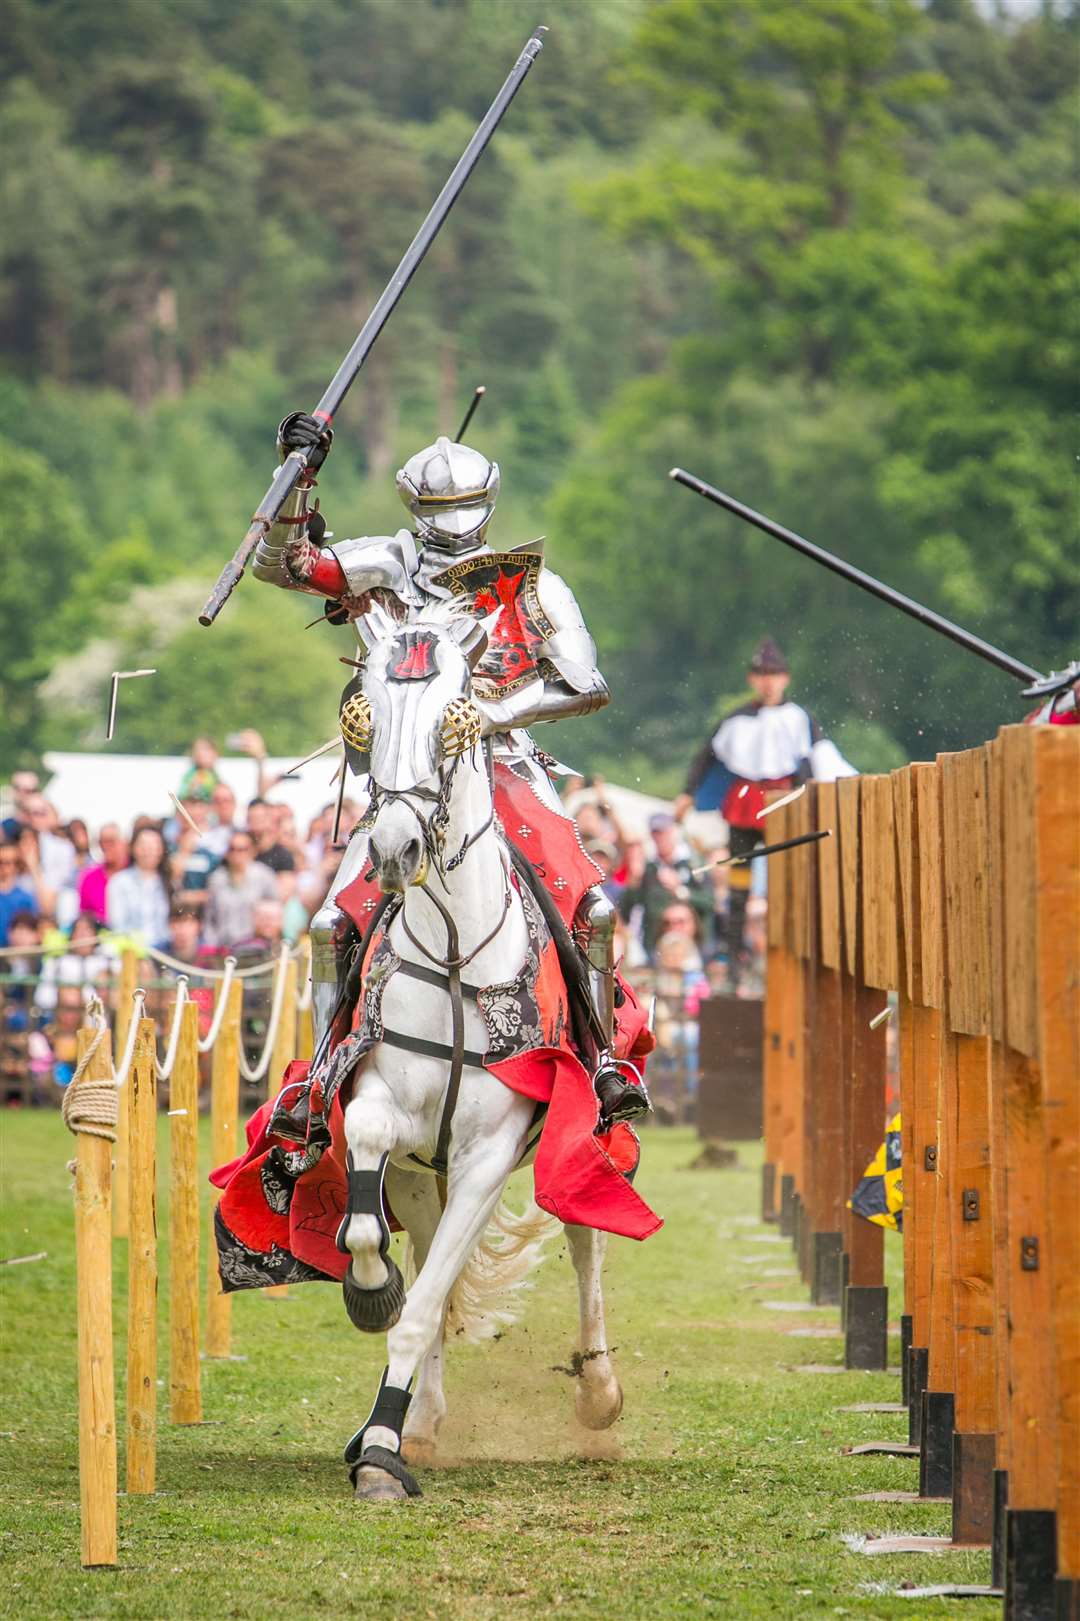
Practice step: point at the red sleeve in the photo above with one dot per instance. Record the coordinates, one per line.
(328, 577)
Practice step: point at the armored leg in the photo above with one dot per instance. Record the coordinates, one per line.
(741, 841)
(328, 928)
(594, 930)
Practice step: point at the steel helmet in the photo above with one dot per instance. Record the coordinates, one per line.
(450, 491)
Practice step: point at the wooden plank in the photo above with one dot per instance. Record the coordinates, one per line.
(878, 899)
(791, 1147)
(93, 1267)
(828, 877)
(906, 1014)
(972, 1235)
(1018, 875)
(224, 1112)
(920, 1176)
(773, 1064)
(967, 912)
(942, 1339)
(847, 803)
(1057, 949)
(1031, 1408)
(777, 913)
(927, 886)
(801, 866)
(141, 1099)
(826, 1068)
(998, 1148)
(904, 842)
(866, 1128)
(185, 1394)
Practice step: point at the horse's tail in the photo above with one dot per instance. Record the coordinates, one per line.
(486, 1299)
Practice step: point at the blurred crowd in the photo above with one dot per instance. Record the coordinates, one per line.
(217, 877)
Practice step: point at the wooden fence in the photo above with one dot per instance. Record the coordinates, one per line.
(956, 886)
(116, 1192)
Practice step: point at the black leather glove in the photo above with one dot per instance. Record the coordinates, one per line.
(299, 431)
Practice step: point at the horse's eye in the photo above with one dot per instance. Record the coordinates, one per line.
(460, 727)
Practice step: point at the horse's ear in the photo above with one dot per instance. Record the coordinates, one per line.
(471, 637)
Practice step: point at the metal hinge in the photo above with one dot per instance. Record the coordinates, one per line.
(929, 1158)
(970, 1204)
(1029, 1254)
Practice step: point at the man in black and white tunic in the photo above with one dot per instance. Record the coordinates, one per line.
(766, 744)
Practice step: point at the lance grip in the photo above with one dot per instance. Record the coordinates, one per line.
(262, 522)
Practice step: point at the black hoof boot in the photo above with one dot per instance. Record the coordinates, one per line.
(620, 1100)
(389, 1464)
(373, 1311)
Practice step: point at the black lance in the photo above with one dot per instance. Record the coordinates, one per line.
(296, 462)
(857, 576)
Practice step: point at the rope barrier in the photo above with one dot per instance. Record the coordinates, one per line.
(256, 1072)
(138, 1009)
(219, 1012)
(165, 1069)
(91, 1107)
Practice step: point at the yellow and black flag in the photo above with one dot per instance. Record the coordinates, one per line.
(879, 1197)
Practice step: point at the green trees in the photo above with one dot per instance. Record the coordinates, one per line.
(823, 251)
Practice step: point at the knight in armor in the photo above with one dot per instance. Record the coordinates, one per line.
(541, 667)
(768, 743)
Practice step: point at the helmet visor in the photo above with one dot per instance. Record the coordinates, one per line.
(453, 523)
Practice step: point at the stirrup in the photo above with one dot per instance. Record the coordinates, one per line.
(620, 1100)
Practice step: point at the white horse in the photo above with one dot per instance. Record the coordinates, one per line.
(434, 841)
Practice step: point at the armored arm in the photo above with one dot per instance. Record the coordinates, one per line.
(569, 682)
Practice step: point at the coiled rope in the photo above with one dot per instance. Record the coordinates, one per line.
(219, 1011)
(91, 1108)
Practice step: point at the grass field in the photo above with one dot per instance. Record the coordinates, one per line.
(720, 1492)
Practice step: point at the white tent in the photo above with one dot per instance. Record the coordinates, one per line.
(118, 787)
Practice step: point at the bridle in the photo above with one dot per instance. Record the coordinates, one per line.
(433, 827)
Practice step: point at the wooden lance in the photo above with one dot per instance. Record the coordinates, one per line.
(297, 460)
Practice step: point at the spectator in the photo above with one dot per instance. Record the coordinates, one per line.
(318, 836)
(667, 877)
(114, 858)
(262, 825)
(16, 894)
(267, 930)
(24, 936)
(82, 964)
(137, 899)
(24, 785)
(223, 807)
(233, 891)
(190, 867)
(201, 778)
(48, 857)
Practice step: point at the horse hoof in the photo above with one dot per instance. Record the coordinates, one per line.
(597, 1409)
(373, 1311)
(376, 1486)
(380, 1476)
(418, 1451)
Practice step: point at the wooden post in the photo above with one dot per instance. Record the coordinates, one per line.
(873, 927)
(93, 1259)
(305, 1024)
(224, 1110)
(1057, 876)
(185, 1393)
(140, 1096)
(826, 1060)
(129, 979)
(967, 1095)
(284, 1051)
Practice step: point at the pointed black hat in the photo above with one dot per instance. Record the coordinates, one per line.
(768, 659)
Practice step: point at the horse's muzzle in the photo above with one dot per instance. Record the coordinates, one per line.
(397, 869)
